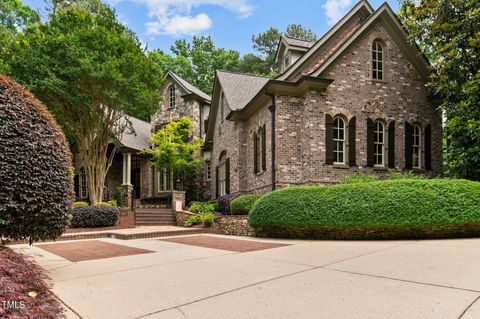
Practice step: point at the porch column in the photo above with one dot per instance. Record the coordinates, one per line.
(126, 181)
(127, 169)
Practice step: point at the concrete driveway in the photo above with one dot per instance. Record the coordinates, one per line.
(305, 279)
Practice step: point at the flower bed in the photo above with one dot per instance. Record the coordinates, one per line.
(24, 289)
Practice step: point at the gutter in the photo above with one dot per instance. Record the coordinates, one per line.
(272, 108)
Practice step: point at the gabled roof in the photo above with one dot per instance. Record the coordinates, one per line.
(187, 87)
(139, 139)
(239, 88)
(362, 8)
(296, 42)
(395, 29)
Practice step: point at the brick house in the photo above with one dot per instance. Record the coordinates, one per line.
(353, 101)
(130, 169)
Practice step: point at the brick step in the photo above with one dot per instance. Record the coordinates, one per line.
(156, 219)
(155, 216)
(156, 211)
(143, 223)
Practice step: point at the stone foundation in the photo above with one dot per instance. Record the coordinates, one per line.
(236, 225)
(181, 217)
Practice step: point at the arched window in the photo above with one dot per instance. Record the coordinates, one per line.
(417, 146)
(377, 61)
(222, 174)
(379, 142)
(171, 96)
(339, 140)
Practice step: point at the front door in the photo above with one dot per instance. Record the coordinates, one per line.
(136, 182)
(135, 176)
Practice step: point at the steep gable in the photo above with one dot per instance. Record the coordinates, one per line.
(327, 44)
(389, 20)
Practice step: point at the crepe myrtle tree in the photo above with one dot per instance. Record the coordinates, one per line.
(176, 150)
(91, 72)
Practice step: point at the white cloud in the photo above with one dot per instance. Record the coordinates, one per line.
(177, 25)
(336, 9)
(173, 17)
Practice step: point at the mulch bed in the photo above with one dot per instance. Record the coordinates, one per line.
(236, 245)
(89, 250)
(25, 289)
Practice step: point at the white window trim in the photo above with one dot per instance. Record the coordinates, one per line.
(418, 146)
(343, 141)
(381, 143)
(376, 51)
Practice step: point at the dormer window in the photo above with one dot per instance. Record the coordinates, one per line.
(377, 61)
(171, 96)
(286, 62)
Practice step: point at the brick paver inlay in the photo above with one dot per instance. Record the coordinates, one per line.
(89, 250)
(236, 245)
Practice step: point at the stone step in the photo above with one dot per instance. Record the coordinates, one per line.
(150, 220)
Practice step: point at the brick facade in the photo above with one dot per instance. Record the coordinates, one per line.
(300, 120)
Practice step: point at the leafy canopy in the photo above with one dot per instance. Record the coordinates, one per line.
(91, 72)
(448, 32)
(175, 149)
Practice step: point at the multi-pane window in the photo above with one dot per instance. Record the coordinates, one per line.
(208, 170)
(379, 152)
(82, 184)
(171, 96)
(259, 149)
(222, 175)
(286, 62)
(377, 61)
(417, 147)
(338, 140)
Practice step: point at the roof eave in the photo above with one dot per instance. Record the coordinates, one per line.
(273, 86)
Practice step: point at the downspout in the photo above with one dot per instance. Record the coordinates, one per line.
(272, 108)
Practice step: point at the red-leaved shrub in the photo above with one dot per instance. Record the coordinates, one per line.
(24, 289)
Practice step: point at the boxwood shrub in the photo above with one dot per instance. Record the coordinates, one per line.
(242, 204)
(395, 205)
(94, 216)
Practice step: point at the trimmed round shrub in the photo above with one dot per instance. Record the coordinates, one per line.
(242, 204)
(36, 188)
(408, 208)
(94, 216)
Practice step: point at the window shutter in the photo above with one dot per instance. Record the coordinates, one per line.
(76, 185)
(408, 145)
(217, 192)
(227, 176)
(391, 144)
(428, 147)
(328, 139)
(264, 149)
(352, 127)
(370, 143)
(255, 152)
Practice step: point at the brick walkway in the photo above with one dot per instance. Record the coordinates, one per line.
(89, 250)
(223, 243)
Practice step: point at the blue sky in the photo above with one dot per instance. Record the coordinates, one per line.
(231, 23)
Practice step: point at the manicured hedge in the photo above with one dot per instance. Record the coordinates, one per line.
(36, 184)
(395, 205)
(94, 216)
(242, 204)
